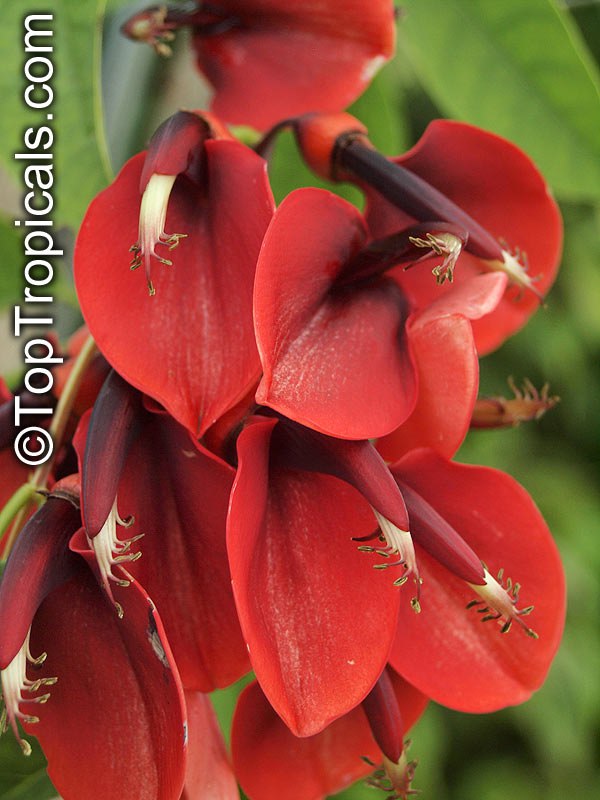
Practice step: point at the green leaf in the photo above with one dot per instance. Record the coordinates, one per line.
(23, 778)
(81, 166)
(520, 69)
(11, 255)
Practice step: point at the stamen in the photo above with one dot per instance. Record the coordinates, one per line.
(400, 543)
(516, 267)
(151, 26)
(14, 683)
(440, 244)
(499, 603)
(111, 551)
(151, 232)
(394, 778)
(527, 404)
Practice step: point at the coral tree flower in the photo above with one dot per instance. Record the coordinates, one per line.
(191, 346)
(344, 349)
(156, 501)
(318, 620)
(266, 753)
(268, 59)
(483, 641)
(459, 174)
(88, 684)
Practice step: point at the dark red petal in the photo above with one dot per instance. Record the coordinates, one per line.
(39, 562)
(209, 775)
(271, 763)
(175, 146)
(286, 59)
(446, 651)
(385, 718)
(334, 360)
(113, 425)
(498, 185)
(191, 347)
(435, 535)
(357, 463)
(178, 494)
(317, 618)
(115, 723)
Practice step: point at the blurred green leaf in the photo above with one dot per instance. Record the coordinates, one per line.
(23, 778)
(81, 165)
(519, 69)
(10, 258)
(587, 17)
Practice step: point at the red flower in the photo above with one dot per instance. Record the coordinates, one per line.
(271, 762)
(459, 174)
(95, 689)
(467, 659)
(191, 347)
(268, 59)
(317, 619)
(344, 349)
(174, 494)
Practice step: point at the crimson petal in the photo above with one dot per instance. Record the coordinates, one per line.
(272, 763)
(441, 339)
(500, 187)
(209, 775)
(178, 494)
(446, 651)
(39, 562)
(115, 723)
(283, 59)
(335, 360)
(191, 347)
(317, 618)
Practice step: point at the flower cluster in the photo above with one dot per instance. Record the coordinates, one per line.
(254, 467)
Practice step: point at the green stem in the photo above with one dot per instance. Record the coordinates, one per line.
(20, 498)
(99, 129)
(64, 406)
(60, 418)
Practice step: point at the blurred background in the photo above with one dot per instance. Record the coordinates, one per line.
(526, 69)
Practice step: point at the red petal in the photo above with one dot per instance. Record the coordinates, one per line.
(448, 374)
(336, 361)
(114, 725)
(209, 775)
(317, 618)
(357, 463)
(39, 562)
(499, 186)
(441, 340)
(113, 425)
(178, 494)
(446, 651)
(272, 763)
(287, 59)
(191, 347)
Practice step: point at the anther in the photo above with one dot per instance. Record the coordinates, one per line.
(153, 214)
(440, 244)
(500, 603)
(14, 683)
(111, 551)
